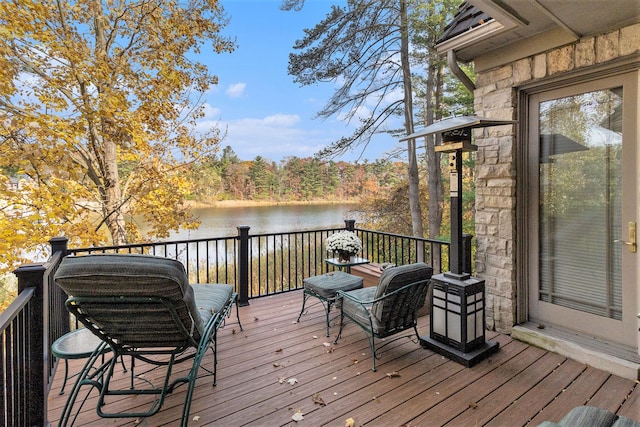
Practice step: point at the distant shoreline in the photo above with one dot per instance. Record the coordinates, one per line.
(250, 203)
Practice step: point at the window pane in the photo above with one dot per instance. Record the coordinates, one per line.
(580, 202)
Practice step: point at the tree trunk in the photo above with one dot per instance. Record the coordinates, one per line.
(434, 172)
(414, 180)
(113, 205)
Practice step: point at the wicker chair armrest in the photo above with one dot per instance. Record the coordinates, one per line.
(345, 294)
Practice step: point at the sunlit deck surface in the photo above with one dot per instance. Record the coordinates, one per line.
(519, 385)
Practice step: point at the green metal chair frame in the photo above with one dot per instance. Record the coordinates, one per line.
(167, 327)
(389, 308)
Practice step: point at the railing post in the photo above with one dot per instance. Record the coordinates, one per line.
(243, 265)
(350, 224)
(466, 253)
(35, 369)
(59, 244)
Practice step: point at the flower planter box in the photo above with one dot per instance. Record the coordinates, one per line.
(369, 272)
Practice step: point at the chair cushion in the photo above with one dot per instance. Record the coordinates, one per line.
(211, 299)
(359, 313)
(131, 275)
(626, 422)
(394, 278)
(326, 285)
(592, 417)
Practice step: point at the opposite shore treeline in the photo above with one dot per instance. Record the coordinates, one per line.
(293, 179)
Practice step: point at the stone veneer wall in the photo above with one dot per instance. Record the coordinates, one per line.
(495, 97)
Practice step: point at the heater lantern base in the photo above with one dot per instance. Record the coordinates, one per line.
(467, 359)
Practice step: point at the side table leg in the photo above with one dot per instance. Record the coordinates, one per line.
(66, 373)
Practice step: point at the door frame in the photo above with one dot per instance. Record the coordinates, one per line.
(626, 74)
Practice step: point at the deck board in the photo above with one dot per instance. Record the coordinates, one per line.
(518, 385)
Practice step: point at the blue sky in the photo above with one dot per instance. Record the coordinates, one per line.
(264, 112)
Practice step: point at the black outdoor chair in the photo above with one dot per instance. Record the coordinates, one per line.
(389, 308)
(143, 307)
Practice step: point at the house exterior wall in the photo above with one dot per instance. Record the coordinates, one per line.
(496, 175)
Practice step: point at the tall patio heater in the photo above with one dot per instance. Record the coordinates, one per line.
(458, 324)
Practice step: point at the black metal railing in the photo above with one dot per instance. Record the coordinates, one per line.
(28, 327)
(256, 265)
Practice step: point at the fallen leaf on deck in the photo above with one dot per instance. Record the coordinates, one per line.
(196, 418)
(281, 380)
(297, 416)
(326, 344)
(349, 422)
(473, 405)
(279, 350)
(276, 365)
(315, 337)
(292, 381)
(318, 400)
(393, 374)
(255, 319)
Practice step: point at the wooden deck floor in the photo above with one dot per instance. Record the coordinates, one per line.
(519, 385)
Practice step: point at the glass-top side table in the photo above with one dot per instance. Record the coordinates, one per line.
(354, 260)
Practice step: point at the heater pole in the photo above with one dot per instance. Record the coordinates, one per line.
(455, 194)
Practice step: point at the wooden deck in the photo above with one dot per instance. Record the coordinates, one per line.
(519, 385)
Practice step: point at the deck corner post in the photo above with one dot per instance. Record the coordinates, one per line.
(243, 265)
(36, 370)
(350, 224)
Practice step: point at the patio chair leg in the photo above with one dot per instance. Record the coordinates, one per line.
(372, 344)
(328, 312)
(238, 315)
(304, 301)
(339, 330)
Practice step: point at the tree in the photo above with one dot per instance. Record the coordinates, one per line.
(364, 48)
(261, 177)
(429, 19)
(88, 87)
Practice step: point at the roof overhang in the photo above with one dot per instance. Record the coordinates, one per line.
(515, 22)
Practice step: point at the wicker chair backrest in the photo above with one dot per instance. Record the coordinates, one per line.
(401, 310)
(129, 275)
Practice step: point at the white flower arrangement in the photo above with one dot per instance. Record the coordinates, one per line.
(344, 241)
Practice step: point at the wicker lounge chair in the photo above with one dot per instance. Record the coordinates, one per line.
(389, 308)
(142, 306)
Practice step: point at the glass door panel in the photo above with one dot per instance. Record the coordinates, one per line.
(584, 187)
(580, 202)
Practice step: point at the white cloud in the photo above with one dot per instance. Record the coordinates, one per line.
(281, 120)
(236, 90)
(273, 137)
(210, 111)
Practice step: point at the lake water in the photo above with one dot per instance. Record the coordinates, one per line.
(222, 221)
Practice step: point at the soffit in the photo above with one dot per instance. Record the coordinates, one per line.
(509, 21)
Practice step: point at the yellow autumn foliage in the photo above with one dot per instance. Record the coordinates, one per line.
(98, 108)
